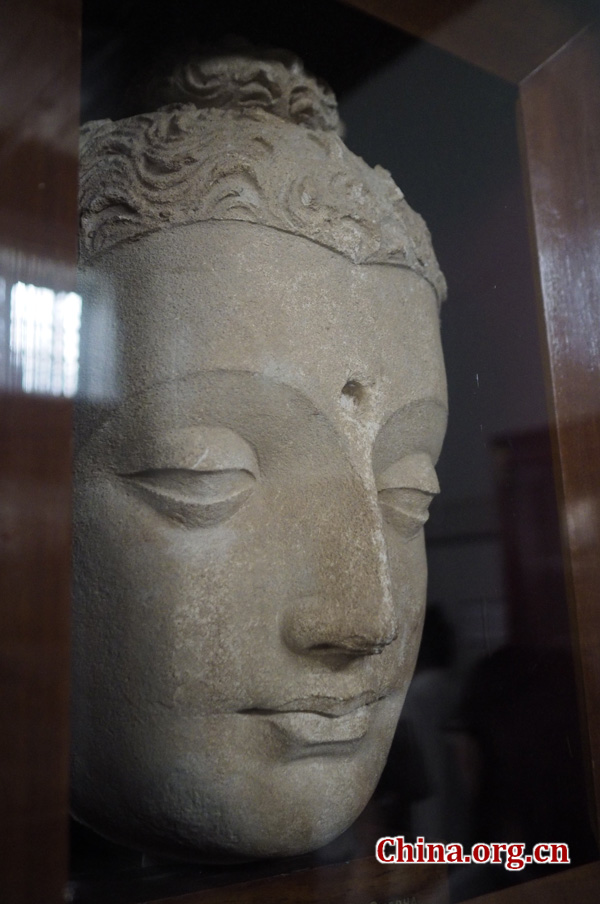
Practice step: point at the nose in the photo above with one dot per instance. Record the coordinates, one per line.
(352, 611)
(312, 626)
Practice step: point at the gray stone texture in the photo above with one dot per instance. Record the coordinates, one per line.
(249, 558)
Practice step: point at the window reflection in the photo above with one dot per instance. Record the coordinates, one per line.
(44, 329)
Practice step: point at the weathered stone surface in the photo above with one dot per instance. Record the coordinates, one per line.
(249, 559)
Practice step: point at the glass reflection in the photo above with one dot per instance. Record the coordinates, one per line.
(43, 330)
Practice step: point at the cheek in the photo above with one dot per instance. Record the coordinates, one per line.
(199, 604)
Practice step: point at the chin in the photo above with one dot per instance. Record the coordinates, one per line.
(233, 815)
(205, 837)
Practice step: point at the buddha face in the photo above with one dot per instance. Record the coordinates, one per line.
(249, 564)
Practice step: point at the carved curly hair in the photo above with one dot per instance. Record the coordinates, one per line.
(245, 135)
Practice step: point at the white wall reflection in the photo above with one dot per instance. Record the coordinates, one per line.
(44, 339)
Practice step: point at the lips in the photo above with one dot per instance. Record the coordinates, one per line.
(320, 720)
(309, 729)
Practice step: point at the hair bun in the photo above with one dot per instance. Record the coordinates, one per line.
(243, 134)
(238, 75)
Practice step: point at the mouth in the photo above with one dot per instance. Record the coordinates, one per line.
(317, 721)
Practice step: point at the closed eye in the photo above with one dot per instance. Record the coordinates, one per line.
(405, 508)
(405, 491)
(193, 498)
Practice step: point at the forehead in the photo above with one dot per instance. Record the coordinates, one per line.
(239, 297)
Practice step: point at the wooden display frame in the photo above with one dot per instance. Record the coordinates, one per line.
(551, 53)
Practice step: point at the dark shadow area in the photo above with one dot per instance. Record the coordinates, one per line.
(122, 40)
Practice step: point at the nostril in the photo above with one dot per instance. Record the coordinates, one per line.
(356, 645)
(360, 648)
(306, 630)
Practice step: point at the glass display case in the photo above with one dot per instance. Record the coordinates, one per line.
(485, 113)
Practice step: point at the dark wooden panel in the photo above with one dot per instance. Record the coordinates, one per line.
(34, 654)
(574, 886)
(39, 69)
(509, 38)
(361, 881)
(39, 119)
(560, 116)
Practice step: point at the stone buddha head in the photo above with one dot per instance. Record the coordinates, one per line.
(249, 561)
